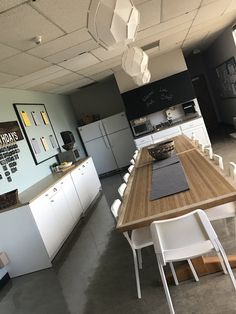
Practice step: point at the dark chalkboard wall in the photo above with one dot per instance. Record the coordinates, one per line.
(158, 95)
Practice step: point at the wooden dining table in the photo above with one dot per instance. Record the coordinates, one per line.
(208, 187)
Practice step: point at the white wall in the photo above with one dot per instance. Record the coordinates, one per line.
(160, 67)
(62, 118)
(221, 50)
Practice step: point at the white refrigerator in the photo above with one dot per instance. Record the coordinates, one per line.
(109, 142)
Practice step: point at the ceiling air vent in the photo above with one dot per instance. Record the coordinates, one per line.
(155, 44)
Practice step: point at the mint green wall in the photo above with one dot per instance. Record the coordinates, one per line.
(62, 117)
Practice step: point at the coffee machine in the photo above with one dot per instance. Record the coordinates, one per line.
(71, 153)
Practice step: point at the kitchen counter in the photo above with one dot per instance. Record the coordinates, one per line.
(190, 117)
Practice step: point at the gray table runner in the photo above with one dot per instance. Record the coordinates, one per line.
(165, 162)
(168, 180)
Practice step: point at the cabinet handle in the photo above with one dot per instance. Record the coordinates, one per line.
(62, 182)
(83, 166)
(52, 201)
(55, 190)
(46, 195)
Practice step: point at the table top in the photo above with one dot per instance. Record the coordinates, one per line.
(208, 187)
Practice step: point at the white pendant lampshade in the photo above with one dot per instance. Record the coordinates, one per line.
(111, 22)
(143, 78)
(134, 61)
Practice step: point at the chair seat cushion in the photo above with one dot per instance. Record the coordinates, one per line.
(190, 251)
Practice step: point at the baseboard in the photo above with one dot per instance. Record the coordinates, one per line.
(4, 280)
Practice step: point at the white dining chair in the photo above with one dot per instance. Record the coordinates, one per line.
(126, 177)
(219, 161)
(138, 239)
(131, 168)
(132, 161)
(209, 152)
(232, 170)
(185, 237)
(121, 189)
(135, 155)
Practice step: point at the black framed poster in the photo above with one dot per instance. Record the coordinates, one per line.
(38, 131)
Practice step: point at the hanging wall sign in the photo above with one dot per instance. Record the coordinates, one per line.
(10, 133)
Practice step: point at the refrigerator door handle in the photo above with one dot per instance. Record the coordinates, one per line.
(107, 146)
(109, 141)
(103, 132)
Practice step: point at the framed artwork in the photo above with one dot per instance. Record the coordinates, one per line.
(38, 131)
(226, 77)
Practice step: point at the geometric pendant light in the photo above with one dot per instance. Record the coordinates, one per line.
(134, 61)
(143, 78)
(111, 22)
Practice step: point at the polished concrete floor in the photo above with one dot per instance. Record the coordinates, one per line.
(93, 273)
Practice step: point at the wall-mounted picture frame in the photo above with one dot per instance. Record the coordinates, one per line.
(226, 78)
(38, 130)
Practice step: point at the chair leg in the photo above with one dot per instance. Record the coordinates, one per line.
(222, 263)
(193, 270)
(174, 274)
(166, 289)
(140, 260)
(136, 273)
(228, 267)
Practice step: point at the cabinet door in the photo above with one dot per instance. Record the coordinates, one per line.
(92, 179)
(46, 223)
(198, 133)
(72, 197)
(81, 185)
(61, 213)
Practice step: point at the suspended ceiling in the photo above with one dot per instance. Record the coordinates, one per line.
(69, 58)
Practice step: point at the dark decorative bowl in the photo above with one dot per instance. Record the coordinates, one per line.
(68, 146)
(161, 150)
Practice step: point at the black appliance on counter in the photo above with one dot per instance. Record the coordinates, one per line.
(158, 95)
(71, 153)
(189, 107)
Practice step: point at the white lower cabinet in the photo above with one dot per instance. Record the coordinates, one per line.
(86, 182)
(72, 198)
(196, 129)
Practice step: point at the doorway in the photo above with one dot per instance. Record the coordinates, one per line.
(205, 102)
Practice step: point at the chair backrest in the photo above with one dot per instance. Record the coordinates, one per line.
(132, 161)
(219, 161)
(121, 189)
(232, 170)
(126, 177)
(209, 152)
(130, 169)
(115, 208)
(182, 231)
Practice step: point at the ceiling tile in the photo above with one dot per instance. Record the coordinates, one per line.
(44, 79)
(6, 52)
(71, 86)
(72, 52)
(34, 76)
(166, 26)
(150, 13)
(6, 78)
(104, 54)
(231, 7)
(61, 43)
(101, 75)
(22, 64)
(8, 4)
(45, 87)
(70, 15)
(101, 66)
(20, 25)
(173, 40)
(162, 34)
(79, 62)
(171, 9)
(67, 79)
(212, 10)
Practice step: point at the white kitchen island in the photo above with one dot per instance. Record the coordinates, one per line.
(33, 231)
